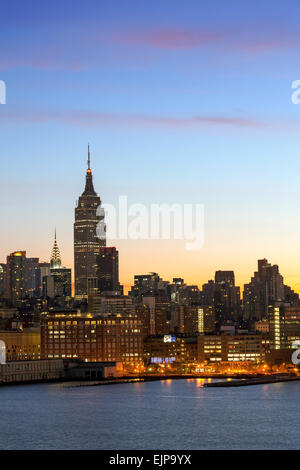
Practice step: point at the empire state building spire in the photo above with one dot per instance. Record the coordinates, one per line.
(86, 241)
(89, 187)
(89, 158)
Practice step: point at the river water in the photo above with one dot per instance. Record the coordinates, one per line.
(171, 414)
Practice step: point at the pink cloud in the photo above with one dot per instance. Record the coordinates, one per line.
(258, 40)
(95, 119)
(76, 51)
(169, 38)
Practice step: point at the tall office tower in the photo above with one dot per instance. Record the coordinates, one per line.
(88, 214)
(224, 295)
(108, 269)
(32, 277)
(58, 283)
(189, 295)
(16, 276)
(227, 297)
(2, 280)
(208, 293)
(266, 288)
(284, 325)
(44, 270)
(156, 313)
(197, 319)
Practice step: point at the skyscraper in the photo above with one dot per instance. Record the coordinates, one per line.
(284, 325)
(266, 288)
(88, 214)
(57, 283)
(108, 269)
(226, 297)
(148, 284)
(2, 280)
(44, 270)
(55, 261)
(32, 277)
(16, 276)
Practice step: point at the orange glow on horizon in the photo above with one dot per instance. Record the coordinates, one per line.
(168, 258)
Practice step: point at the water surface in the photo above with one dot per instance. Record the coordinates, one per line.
(171, 414)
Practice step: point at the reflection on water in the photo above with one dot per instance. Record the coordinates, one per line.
(171, 414)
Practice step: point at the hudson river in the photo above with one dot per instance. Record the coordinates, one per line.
(174, 414)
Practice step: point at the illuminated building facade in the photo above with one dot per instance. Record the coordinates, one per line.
(167, 349)
(232, 348)
(284, 325)
(111, 304)
(197, 319)
(88, 214)
(16, 276)
(22, 345)
(91, 338)
(55, 260)
(262, 326)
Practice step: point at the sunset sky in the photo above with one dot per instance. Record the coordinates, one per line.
(182, 102)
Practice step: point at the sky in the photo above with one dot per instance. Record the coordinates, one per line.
(181, 102)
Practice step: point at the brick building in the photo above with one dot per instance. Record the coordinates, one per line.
(91, 338)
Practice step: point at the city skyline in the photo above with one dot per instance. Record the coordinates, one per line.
(90, 191)
(149, 258)
(192, 120)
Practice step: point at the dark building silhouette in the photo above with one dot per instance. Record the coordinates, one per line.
(88, 214)
(32, 277)
(224, 295)
(227, 297)
(208, 293)
(2, 280)
(155, 313)
(148, 284)
(225, 276)
(266, 288)
(108, 269)
(16, 276)
(44, 270)
(58, 284)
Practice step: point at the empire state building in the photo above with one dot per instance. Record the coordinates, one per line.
(88, 214)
